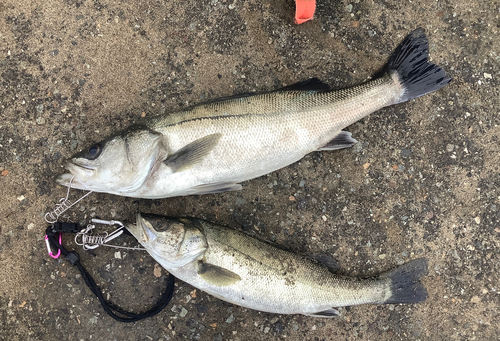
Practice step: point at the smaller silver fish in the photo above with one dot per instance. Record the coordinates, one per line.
(243, 270)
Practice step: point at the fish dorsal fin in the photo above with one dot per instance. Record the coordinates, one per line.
(343, 140)
(327, 261)
(311, 84)
(329, 313)
(192, 153)
(216, 275)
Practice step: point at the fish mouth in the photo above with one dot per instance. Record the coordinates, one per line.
(76, 176)
(139, 230)
(135, 229)
(79, 163)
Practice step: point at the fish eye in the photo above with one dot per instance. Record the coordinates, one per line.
(93, 152)
(161, 225)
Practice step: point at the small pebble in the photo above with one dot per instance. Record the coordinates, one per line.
(382, 256)
(230, 319)
(118, 255)
(477, 220)
(40, 120)
(183, 312)
(487, 75)
(302, 183)
(157, 270)
(475, 299)
(405, 152)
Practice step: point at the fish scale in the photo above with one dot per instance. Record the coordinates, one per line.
(337, 108)
(284, 278)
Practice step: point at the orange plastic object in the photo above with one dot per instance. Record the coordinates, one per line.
(304, 10)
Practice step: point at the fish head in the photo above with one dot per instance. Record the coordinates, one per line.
(176, 241)
(119, 165)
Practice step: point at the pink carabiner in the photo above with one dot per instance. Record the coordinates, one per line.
(50, 250)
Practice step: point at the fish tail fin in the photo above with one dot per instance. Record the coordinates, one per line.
(410, 63)
(404, 283)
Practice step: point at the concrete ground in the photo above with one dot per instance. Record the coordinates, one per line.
(423, 181)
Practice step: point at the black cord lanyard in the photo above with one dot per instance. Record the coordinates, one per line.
(53, 237)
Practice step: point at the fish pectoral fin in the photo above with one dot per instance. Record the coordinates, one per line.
(329, 313)
(343, 140)
(192, 153)
(216, 275)
(217, 187)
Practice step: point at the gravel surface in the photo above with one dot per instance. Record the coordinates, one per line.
(423, 181)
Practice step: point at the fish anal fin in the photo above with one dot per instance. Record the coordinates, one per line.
(192, 153)
(218, 187)
(329, 313)
(216, 275)
(344, 139)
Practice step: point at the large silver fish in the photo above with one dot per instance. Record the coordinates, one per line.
(254, 274)
(212, 147)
